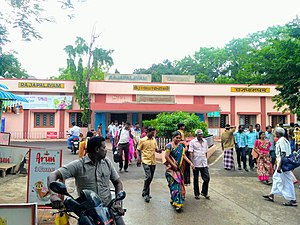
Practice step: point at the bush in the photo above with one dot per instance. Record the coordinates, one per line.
(166, 123)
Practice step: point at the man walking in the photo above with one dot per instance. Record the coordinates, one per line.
(148, 146)
(283, 184)
(227, 142)
(240, 147)
(123, 145)
(198, 149)
(251, 136)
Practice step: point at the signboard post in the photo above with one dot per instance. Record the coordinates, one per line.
(41, 164)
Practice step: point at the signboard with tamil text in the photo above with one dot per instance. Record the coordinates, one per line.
(250, 89)
(47, 102)
(127, 77)
(41, 164)
(178, 78)
(150, 88)
(40, 85)
(214, 114)
(157, 99)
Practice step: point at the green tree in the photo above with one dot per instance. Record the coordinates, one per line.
(166, 123)
(98, 59)
(280, 64)
(10, 67)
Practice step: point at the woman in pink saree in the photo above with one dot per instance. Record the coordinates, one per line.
(264, 165)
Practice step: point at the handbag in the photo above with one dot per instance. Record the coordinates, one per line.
(291, 161)
(254, 153)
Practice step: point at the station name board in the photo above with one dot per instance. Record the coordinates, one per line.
(178, 78)
(40, 85)
(250, 89)
(150, 88)
(128, 77)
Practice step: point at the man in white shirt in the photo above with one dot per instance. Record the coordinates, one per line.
(198, 148)
(123, 145)
(74, 132)
(283, 184)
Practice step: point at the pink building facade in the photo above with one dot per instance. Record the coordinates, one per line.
(53, 106)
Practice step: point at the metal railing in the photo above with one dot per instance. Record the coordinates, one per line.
(19, 135)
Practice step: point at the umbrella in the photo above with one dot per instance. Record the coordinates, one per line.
(3, 86)
(10, 96)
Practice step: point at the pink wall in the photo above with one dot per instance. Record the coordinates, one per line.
(116, 98)
(224, 102)
(184, 99)
(14, 123)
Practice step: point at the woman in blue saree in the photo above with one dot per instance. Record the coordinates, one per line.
(175, 154)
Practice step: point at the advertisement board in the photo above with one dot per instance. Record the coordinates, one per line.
(48, 102)
(41, 164)
(4, 138)
(17, 214)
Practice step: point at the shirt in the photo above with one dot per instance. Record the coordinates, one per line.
(91, 177)
(240, 139)
(227, 139)
(124, 136)
(147, 147)
(270, 137)
(282, 145)
(182, 134)
(137, 134)
(251, 138)
(75, 131)
(199, 151)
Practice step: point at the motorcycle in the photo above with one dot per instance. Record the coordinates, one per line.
(74, 144)
(87, 207)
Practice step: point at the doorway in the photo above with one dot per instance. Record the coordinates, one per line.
(120, 117)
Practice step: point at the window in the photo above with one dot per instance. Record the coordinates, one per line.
(213, 122)
(44, 120)
(278, 119)
(76, 117)
(246, 120)
(223, 120)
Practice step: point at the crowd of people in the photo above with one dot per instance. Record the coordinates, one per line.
(265, 149)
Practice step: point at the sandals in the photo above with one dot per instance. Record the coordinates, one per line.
(290, 203)
(268, 198)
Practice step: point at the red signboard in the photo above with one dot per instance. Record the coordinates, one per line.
(51, 134)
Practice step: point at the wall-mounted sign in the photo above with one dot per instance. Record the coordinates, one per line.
(214, 114)
(150, 88)
(48, 102)
(41, 164)
(178, 78)
(40, 85)
(4, 138)
(127, 77)
(158, 99)
(250, 89)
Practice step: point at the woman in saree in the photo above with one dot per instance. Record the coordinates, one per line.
(264, 165)
(175, 154)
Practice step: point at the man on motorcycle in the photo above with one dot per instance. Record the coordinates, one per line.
(83, 170)
(74, 132)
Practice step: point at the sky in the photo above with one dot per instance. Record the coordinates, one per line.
(145, 32)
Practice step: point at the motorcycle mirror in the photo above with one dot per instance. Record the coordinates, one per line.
(59, 188)
(120, 196)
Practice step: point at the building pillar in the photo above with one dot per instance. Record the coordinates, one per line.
(263, 112)
(61, 128)
(26, 123)
(232, 110)
(292, 118)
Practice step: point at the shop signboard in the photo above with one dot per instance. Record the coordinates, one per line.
(250, 89)
(41, 164)
(17, 214)
(157, 99)
(178, 78)
(4, 138)
(150, 88)
(48, 102)
(214, 114)
(127, 77)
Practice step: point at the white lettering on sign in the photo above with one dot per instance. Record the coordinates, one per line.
(128, 77)
(178, 78)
